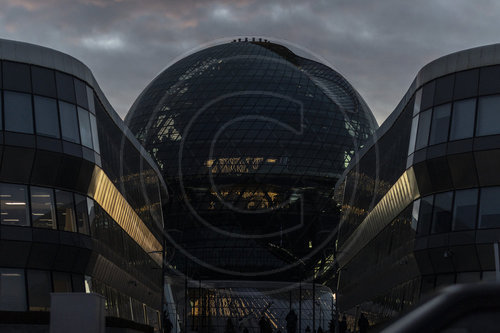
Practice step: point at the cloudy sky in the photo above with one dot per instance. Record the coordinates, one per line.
(377, 45)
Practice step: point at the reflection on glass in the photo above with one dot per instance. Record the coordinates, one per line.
(462, 119)
(95, 135)
(69, 122)
(418, 100)
(465, 209)
(425, 215)
(424, 124)
(90, 99)
(440, 124)
(65, 211)
(12, 290)
(65, 87)
(42, 208)
(43, 81)
(413, 135)
(39, 289)
(81, 93)
(489, 209)
(488, 116)
(46, 119)
(82, 217)
(85, 132)
(414, 214)
(91, 213)
(18, 112)
(441, 220)
(14, 204)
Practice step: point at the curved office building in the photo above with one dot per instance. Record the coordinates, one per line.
(80, 204)
(251, 139)
(421, 205)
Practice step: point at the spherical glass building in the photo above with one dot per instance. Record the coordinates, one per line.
(251, 139)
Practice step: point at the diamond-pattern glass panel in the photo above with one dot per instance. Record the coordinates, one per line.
(251, 139)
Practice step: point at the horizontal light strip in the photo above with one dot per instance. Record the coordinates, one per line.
(400, 195)
(110, 199)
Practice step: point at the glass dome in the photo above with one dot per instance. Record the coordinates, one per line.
(251, 139)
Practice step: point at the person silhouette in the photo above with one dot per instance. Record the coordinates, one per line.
(343, 325)
(262, 324)
(167, 326)
(363, 323)
(291, 322)
(229, 326)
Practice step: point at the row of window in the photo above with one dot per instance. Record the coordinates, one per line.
(460, 85)
(22, 290)
(431, 282)
(457, 210)
(26, 113)
(42, 207)
(46, 82)
(455, 121)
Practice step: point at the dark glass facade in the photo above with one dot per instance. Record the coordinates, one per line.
(432, 218)
(73, 215)
(251, 139)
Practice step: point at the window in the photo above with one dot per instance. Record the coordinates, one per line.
(85, 131)
(18, 112)
(466, 84)
(65, 211)
(95, 136)
(441, 220)
(82, 217)
(440, 124)
(62, 282)
(465, 209)
(42, 208)
(44, 81)
(39, 289)
(16, 76)
(413, 135)
(81, 93)
(90, 99)
(414, 214)
(91, 213)
(462, 119)
(489, 209)
(65, 87)
(46, 118)
(444, 89)
(489, 80)
(425, 215)
(418, 100)
(14, 204)
(77, 283)
(12, 290)
(69, 122)
(488, 117)
(424, 124)
(428, 95)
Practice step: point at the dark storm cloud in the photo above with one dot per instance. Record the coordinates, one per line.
(377, 45)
